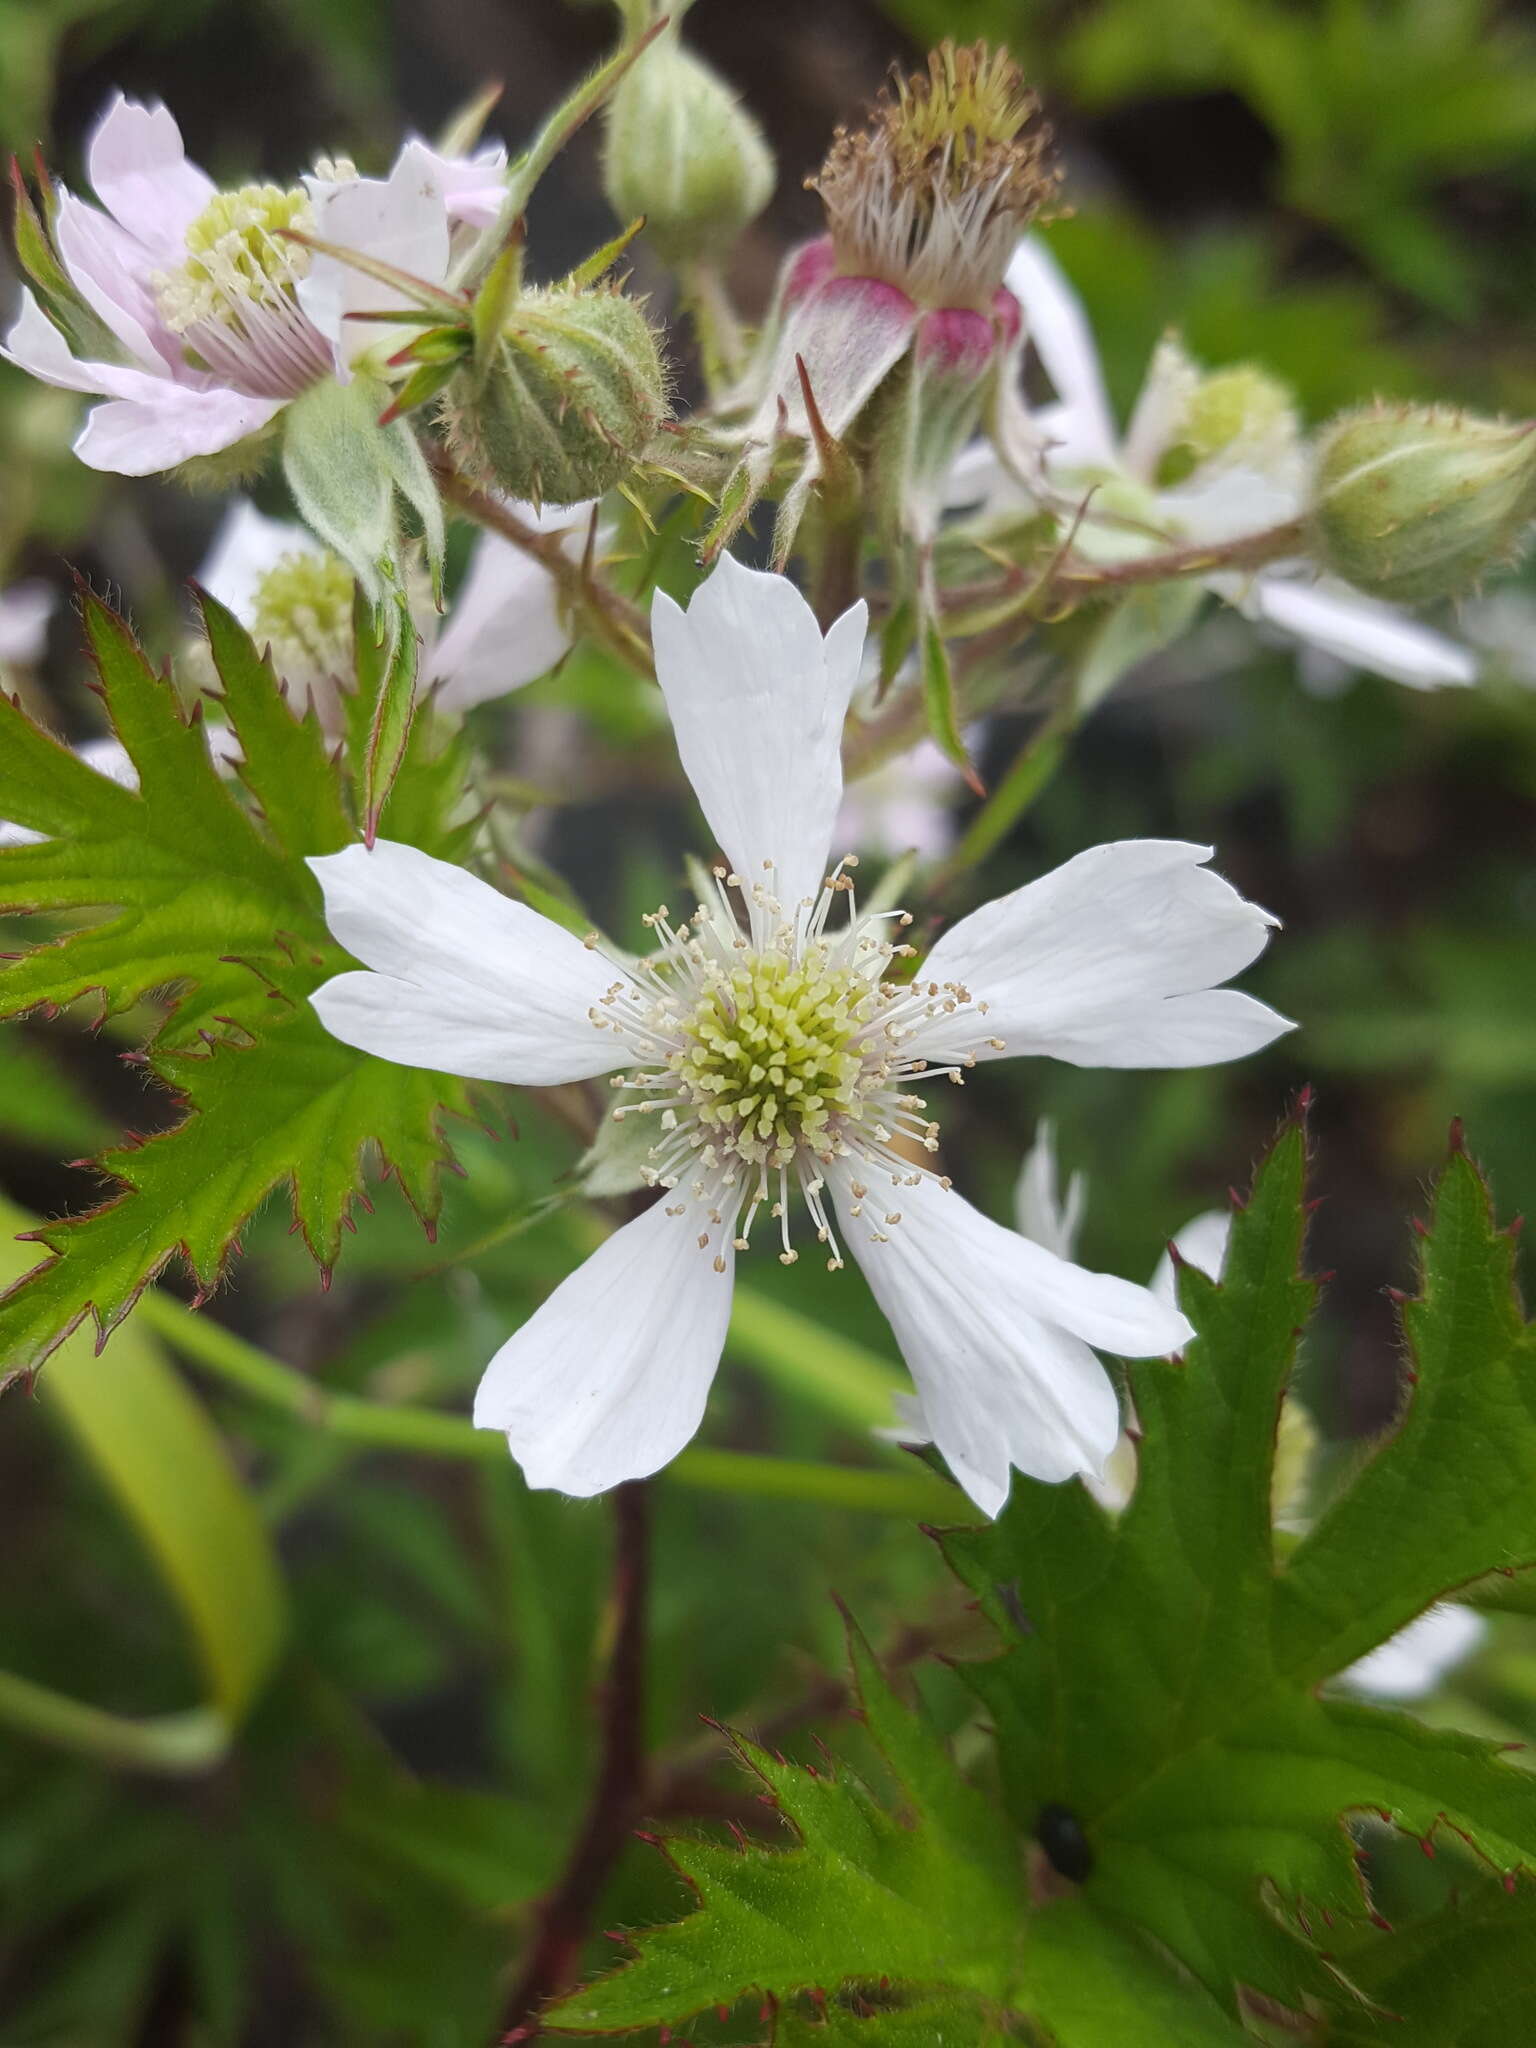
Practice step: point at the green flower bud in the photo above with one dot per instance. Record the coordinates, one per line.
(1419, 502)
(568, 401)
(682, 150)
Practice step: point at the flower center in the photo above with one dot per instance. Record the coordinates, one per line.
(236, 257)
(1233, 411)
(303, 611)
(233, 301)
(771, 1060)
(767, 1059)
(933, 194)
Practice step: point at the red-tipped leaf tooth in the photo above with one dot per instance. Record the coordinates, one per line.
(1237, 1201)
(1456, 1138)
(1420, 1227)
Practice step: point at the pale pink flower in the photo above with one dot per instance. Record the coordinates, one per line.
(217, 320)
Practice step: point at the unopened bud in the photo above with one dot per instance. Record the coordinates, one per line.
(682, 150)
(570, 398)
(1418, 503)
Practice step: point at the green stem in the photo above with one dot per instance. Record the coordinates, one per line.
(173, 1743)
(1031, 769)
(860, 1384)
(622, 626)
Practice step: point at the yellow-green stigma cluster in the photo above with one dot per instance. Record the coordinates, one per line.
(233, 302)
(236, 254)
(1233, 409)
(769, 1059)
(302, 610)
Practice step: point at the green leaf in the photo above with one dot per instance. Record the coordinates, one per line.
(1160, 1680)
(1176, 1783)
(1462, 1978)
(156, 1449)
(210, 897)
(890, 1909)
(381, 711)
(939, 702)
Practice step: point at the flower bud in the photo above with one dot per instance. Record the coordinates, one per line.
(1416, 503)
(566, 404)
(682, 150)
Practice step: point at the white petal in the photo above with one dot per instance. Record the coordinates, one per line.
(911, 1424)
(1109, 961)
(1412, 1663)
(1361, 631)
(1162, 406)
(1202, 1243)
(138, 169)
(25, 610)
(402, 220)
(757, 700)
(506, 627)
(473, 187)
(608, 1379)
(247, 545)
(35, 345)
(1058, 327)
(1038, 1208)
(111, 271)
(996, 1333)
(468, 981)
(141, 436)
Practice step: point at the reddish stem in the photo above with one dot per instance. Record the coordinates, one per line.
(617, 1797)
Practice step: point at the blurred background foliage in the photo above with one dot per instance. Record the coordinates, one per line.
(1343, 190)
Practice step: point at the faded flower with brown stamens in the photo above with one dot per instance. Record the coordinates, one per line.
(925, 205)
(932, 195)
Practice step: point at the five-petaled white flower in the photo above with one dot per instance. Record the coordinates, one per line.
(781, 1053)
(1238, 470)
(215, 318)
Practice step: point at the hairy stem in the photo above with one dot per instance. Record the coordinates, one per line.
(620, 625)
(564, 1918)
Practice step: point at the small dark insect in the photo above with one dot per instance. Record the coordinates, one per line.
(1060, 1834)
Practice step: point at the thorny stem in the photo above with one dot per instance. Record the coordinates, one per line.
(619, 1792)
(620, 625)
(1074, 576)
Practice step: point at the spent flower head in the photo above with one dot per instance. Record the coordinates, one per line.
(932, 194)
